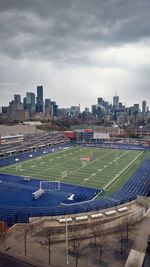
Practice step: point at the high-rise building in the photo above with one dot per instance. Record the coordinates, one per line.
(100, 101)
(30, 102)
(25, 103)
(144, 106)
(5, 110)
(17, 98)
(54, 109)
(47, 106)
(14, 107)
(116, 102)
(136, 108)
(75, 111)
(39, 104)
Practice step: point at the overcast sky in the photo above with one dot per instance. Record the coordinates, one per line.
(78, 50)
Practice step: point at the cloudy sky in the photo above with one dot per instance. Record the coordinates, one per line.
(77, 49)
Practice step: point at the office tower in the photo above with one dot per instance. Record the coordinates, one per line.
(30, 102)
(17, 98)
(39, 105)
(5, 110)
(15, 105)
(116, 101)
(75, 111)
(100, 101)
(144, 106)
(136, 108)
(25, 103)
(47, 106)
(54, 109)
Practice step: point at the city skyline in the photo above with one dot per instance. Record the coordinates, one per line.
(115, 98)
(77, 50)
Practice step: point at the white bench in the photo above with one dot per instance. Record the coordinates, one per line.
(82, 218)
(97, 215)
(63, 220)
(111, 212)
(122, 209)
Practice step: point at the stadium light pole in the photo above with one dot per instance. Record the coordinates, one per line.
(67, 261)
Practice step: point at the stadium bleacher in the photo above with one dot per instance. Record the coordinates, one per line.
(138, 184)
(32, 143)
(12, 211)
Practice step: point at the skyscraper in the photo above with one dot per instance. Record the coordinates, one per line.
(54, 109)
(100, 101)
(39, 105)
(47, 106)
(116, 102)
(30, 102)
(144, 106)
(17, 98)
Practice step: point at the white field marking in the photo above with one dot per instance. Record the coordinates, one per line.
(32, 166)
(46, 169)
(100, 170)
(86, 179)
(107, 153)
(122, 171)
(105, 166)
(38, 158)
(58, 158)
(110, 163)
(93, 174)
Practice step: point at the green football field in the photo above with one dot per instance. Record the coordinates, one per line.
(108, 169)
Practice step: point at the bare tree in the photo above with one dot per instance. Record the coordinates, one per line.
(101, 246)
(24, 230)
(120, 236)
(96, 231)
(76, 245)
(128, 227)
(50, 238)
(99, 240)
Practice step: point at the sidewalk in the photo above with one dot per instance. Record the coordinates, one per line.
(38, 255)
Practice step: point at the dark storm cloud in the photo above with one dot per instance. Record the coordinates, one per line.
(66, 30)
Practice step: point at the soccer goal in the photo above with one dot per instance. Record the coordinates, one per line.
(19, 168)
(50, 186)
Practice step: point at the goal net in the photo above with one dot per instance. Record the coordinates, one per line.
(19, 168)
(48, 186)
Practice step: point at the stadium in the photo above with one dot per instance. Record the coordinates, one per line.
(47, 175)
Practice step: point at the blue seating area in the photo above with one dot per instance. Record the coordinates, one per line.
(119, 146)
(16, 205)
(35, 153)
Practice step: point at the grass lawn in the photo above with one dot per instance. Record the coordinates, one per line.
(109, 169)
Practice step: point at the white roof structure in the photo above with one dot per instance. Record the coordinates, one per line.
(98, 135)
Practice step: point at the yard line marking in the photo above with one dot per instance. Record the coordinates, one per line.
(122, 171)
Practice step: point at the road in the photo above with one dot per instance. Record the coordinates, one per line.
(6, 261)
